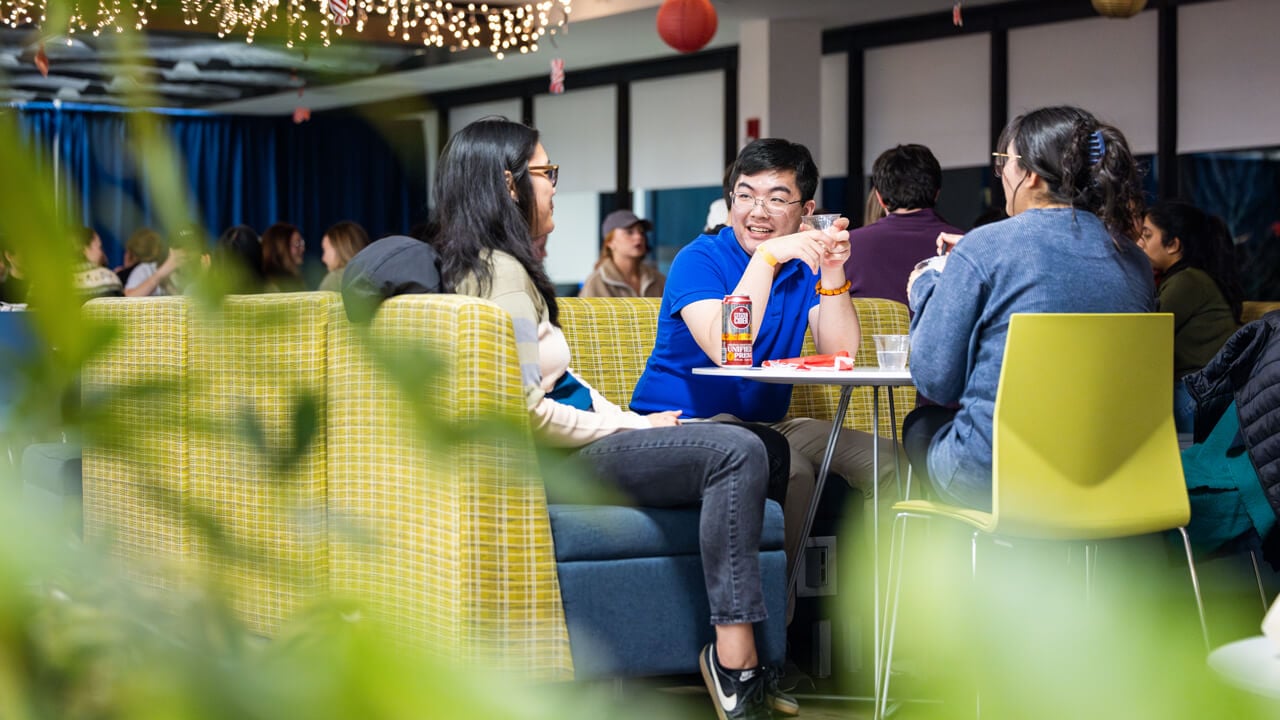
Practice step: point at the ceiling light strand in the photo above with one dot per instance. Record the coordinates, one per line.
(499, 28)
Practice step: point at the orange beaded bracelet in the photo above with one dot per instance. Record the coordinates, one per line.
(838, 291)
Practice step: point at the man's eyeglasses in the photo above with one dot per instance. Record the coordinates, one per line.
(552, 172)
(1000, 160)
(772, 205)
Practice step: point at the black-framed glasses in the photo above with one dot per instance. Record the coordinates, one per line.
(771, 205)
(1000, 160)
(552, 172)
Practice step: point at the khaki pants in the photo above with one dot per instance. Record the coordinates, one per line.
(852, 461)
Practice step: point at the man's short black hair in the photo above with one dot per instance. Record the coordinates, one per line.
(908, 177)
(774, 154)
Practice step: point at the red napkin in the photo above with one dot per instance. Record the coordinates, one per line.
(838, 361)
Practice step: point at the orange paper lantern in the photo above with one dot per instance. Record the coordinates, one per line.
(687, 25)
(1119, 8)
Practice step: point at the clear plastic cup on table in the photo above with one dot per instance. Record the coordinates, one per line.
(892, 351)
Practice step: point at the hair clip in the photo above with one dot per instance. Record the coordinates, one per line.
(1097, 147)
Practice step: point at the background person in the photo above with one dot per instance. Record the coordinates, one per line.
(621, 270)
(493, 192)
(340, 243)
(282, 252)
(1194, 259)
(156, 265)
(236, 260)
(92, 278)
(907, 180)
(1072, 194)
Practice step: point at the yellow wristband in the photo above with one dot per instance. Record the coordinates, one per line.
(838, 291)
(767, 256)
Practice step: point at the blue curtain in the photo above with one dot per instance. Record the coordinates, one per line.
(238, 169)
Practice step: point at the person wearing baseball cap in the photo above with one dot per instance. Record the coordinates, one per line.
(621, 270)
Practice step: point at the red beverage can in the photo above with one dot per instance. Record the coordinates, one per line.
(735, 329)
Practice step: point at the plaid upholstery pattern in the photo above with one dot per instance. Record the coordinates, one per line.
(438, 516)
(257, 373)
(135, 471)
(877, 316)
(610, 340)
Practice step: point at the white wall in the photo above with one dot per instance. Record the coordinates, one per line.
(934, 93)
(833, 160)
(1106, 66)
(579, 130)
(677, 131)
(574, 245)
(464, 115)
(1228, 75)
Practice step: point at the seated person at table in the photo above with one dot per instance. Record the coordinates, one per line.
(1072, 194)
(493, 193)
(796, 282)
(1195, 264)
(14, 287)
(907, 180)
(92, 278)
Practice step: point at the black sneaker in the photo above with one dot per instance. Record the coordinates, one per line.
(776, 696)
(737, 694)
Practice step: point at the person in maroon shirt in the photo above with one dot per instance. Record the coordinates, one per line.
(906, 179)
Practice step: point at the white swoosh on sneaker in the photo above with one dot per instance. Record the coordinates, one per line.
(728, 702)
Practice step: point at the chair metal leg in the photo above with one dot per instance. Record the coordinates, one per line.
(897, 550)
(973, 572)
(1257, 574)
(1090, 570)
(1195, 585)
(893, 433)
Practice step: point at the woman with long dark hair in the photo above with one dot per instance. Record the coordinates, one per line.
(493, 193)
(282, 252)
(1196, 279)
(1073, 197)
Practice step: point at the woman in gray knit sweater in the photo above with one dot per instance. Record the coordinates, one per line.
(1074, 200)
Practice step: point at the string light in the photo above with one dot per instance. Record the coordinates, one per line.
(435, 23)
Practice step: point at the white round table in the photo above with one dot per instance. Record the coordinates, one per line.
(1252, 664)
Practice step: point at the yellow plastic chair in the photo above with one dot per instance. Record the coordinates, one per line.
(1084, 444)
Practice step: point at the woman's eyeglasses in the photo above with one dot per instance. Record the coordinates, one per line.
(552, 172)
(1000, 160)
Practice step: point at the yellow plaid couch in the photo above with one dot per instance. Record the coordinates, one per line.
(394, 465)
(597, 330)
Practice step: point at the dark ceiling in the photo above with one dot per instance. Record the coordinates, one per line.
(187, 70)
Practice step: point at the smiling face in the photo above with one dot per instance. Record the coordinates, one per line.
(752, 223)
(543, 193)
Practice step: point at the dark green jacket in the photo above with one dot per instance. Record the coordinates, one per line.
(1202, 319)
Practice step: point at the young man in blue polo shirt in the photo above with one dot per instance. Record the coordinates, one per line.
(796, 281)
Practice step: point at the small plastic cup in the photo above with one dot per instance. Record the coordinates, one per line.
(935, 262)
(892, 351)
(822, 222)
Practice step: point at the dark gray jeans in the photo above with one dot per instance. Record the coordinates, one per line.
(723, 466)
